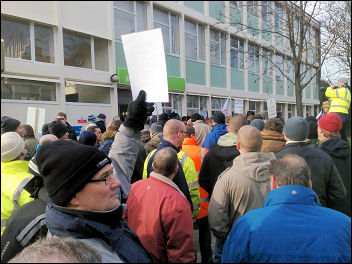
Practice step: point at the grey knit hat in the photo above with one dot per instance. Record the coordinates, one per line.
(258, 123)
(296, 128)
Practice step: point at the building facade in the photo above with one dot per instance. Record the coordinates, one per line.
(60, 56)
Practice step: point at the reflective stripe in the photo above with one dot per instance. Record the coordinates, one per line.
(205, 199)
(346, 92)
(31, 229)
(196, 207)
(17, 193)
(4, 222)
(193, 184)
(339, 106)
(202, 154)
(337, 92)
(183, 159)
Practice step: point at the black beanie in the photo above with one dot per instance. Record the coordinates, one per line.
(67, 166)
(87, 138)
(57, 128)
(9, 124)
(196, 117)
(219, 117)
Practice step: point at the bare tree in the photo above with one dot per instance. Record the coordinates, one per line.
(310, 41)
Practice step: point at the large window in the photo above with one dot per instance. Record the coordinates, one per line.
(266, 11)
(290, 110)
(254, 106)
(280, 107)
(18, 89)
(217, 47)
(267, 65)
(217, 104)
(278, 18)
(130, 16)
(236, 4)
(252, 8)
(237, 52)
(174, 104)
(78, 49)
(308, 110)
(253, 58)
(197, 104)
(194, 41)
(169, 27)
(21, 36)
(290, 69)
(83, 93)
(279, 66)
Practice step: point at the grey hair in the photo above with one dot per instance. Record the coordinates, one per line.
(62, 249)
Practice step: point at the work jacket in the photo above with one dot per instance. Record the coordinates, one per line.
(14, 176)
(197, 153)
(340, 99)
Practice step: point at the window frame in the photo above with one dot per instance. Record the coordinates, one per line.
(266, 5)
(171, 101)
(236, 4)
(222, 103)
(198, 41)
(238, 50)
(255, 55)
(278, 18)
(219, 44)
(269, 73)
(253, 6)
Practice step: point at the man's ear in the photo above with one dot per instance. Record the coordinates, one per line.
(227, 129)
(273, 183)
(74, 201)
(153, 165)
(238, 145)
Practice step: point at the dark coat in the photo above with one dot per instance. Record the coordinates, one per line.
(326, 180)
(215, 162)
(106, 145)
(339, 150)
(139, 165)
(71, 132)
(101, 125)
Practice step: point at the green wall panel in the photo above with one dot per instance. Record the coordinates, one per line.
(237, 80)
(267, 85)
(217, 76)
(236, 17)
(196, 5)
(252, 25)
(195, 72)
(290, 89)
(217, 10)
(266, 35)
(120, 56)
(173, 66)
(253, 82)
(280, 87)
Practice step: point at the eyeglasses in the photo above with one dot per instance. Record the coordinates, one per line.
(106, 179)
(182, 132)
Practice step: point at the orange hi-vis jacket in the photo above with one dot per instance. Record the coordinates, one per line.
(197, 153)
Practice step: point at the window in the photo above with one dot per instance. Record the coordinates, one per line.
(18, 89)
(174, 104)
(217, 104)
(279, 66)
(169, 27)
(217, 47)
(252, 106)
(194, 41)
(237, 52)
(21, 36)
(77, 51)
(278, 18)
(267, 67)
(316, 45)
(253, 58)
(252, 8)
(281, 108)
(130, 16)
(197, 104)
(308, 110)
(236, 4)
(289, 69)
(84, 93)
(266, 12)
(290, 110)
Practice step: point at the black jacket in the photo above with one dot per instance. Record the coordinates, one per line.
(339, 150)
(326, 180)
(215, 162)
(71, 132)
(101, 125)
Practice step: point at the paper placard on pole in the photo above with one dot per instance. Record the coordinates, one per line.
(145, 58)
(158, 109)
(271, 104)
(36, 118)
(238, 106)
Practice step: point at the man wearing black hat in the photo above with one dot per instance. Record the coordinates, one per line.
(9, 124)
(101, 122)
(58, 129)
(217, 131)
(250, 115)
(81, 182)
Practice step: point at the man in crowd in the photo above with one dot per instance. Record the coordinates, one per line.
(97, 132)
(326, 180)
(217, 131)
(58, 129)
(81, 184)
(329, 126)
(9, 124)
(156, 132)
(201, 129)
(273, 139)
(250, 116)
(240, 188)
(101, 122)
(291, 227)
(71, 132)
(159, 213)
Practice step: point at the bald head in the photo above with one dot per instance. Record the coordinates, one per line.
(47, 138)
(250, 139)
(165, 162)
(172, 126)
(236, 123)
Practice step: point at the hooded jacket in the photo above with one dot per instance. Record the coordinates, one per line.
(291, 227)
(239, 189)
(219, 158)
(153, 143)
(212, 138)
(201, 130)
(272, 141)
(339, 150)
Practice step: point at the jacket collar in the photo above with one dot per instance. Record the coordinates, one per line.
(164, 143)
(166, 180)
(190, 141)
(296, 143)
(291, 194)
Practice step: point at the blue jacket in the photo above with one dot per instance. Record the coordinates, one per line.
(290, 228)
(212, 138)
(106, 145)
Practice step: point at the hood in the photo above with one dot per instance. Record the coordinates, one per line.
(219, 129)
(225, 153)
(254, 165)
(190, 141)
(272, 135)
(228, 140)
(336, 147)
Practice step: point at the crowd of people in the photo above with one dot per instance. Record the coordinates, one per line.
(134, 190)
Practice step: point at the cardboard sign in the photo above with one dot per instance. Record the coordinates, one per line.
(36, 118)
(271, 104)
(145, 58)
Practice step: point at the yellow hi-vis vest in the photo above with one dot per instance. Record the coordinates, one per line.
(14, 176)
(340, 99)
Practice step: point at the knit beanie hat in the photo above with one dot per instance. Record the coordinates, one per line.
(331, 123)
(57, 128)
(219, 117)
(9, 124)
(87, 138)
(101, 116)
(296, 128)
(67, 166)
(12, 145)
(258, 123)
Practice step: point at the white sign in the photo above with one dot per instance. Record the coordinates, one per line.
(238, 106)
(224, 108)
(145, 58)
(36, 118)
(158, 109)
(271, 103)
